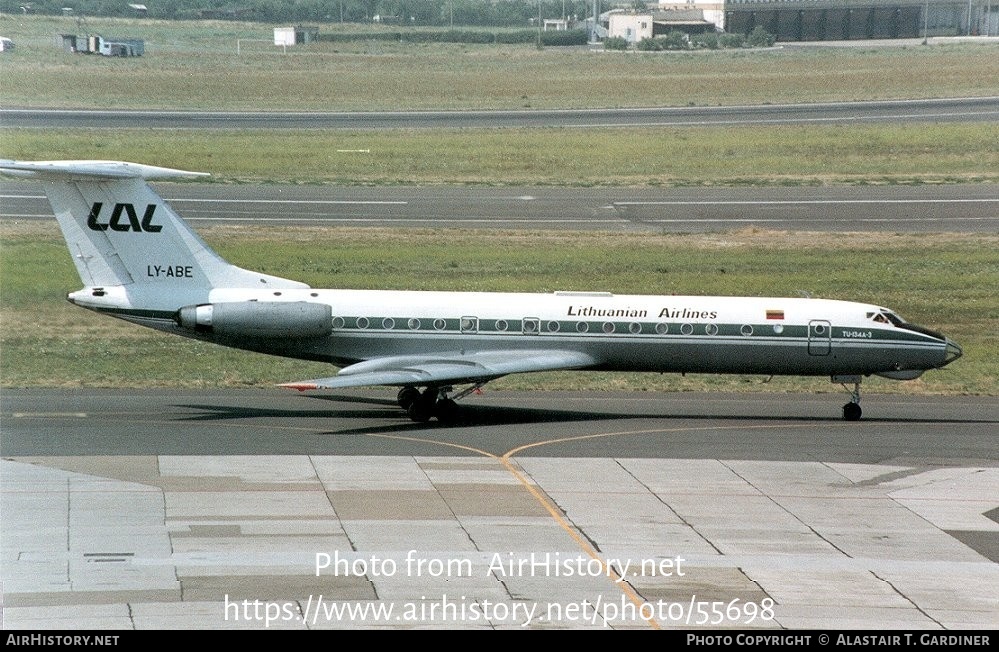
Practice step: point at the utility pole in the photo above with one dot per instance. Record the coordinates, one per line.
(596, 17)
(539, 24)
(926, 18)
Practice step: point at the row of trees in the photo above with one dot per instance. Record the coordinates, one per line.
(499, 13)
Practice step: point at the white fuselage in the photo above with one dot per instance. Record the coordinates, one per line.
(687, 334)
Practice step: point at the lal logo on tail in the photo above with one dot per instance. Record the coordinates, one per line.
(116, 224)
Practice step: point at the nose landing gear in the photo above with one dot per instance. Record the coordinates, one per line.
(851, 411)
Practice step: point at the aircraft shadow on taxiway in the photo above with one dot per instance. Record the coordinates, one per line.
(469, 416)
(472, 415)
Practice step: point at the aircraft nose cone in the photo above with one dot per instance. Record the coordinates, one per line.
(952, 352)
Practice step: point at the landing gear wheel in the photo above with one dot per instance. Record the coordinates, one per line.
(424, 405)
(852, 412)
(447, 410)
(421, 409)
(407, 396)
(440, 402)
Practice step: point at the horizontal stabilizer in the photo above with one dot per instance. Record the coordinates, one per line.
(70, 170)
(121, 233)
(456, 368)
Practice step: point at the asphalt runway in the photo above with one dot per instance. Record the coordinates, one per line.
(968, 208)
(975, 109)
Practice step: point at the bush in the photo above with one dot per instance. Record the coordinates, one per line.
(672, 41)
(517, 36)
(650, 44)
(348, 37)
(564, 37)
(570, 37)
(760, 38)
(616, 43)
(675, 40)
(449, 36)
(707, 40)
(732, 40)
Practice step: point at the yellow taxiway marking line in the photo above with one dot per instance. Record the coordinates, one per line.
(552, 509)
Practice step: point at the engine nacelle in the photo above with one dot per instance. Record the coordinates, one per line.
(259, 319)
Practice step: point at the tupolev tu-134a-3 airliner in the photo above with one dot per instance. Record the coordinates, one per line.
(139, 261)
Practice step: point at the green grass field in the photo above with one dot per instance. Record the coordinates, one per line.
(799, 155)
(194, 65)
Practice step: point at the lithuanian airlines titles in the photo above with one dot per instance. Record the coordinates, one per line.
(669, 313)
(139, 261)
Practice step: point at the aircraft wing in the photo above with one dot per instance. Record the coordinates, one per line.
(442, 368)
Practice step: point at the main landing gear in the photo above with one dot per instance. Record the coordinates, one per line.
(432, 402)
(851, 411)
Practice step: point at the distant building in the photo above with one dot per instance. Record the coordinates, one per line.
(120, 47)
(631, 27)
(808, 20)
(636, 26)
(108, 47)
(842, 20)
(68, 42)
(295, 35)
(699, 11)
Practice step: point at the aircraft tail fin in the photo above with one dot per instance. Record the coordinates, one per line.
(120, 232)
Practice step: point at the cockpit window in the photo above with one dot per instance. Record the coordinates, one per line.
(894, 319)
(886, 317)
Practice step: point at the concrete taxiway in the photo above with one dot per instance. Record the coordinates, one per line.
(251, 509)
